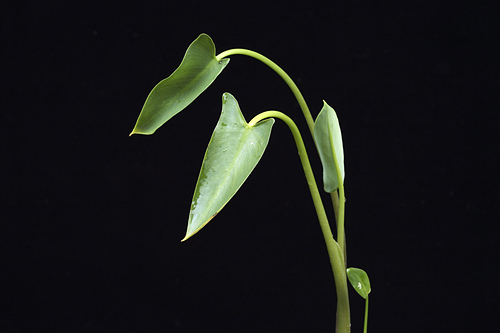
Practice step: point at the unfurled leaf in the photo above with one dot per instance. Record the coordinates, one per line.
(197, 71)
(359, 280)
(233, 152)
(329, 142)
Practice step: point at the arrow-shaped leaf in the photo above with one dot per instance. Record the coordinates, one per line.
(233, 152)
(197, 71)
(329, 142)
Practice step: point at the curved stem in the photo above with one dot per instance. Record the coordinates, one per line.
(311, 181)
(282, 74)
(334, 250)
(338, 204)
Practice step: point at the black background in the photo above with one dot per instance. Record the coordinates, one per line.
(92, 219)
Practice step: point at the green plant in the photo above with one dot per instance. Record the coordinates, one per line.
(237, 146)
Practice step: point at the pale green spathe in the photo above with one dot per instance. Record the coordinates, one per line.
(197, 71)
(233, 152)
(328, 139)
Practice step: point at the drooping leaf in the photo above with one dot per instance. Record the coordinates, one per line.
(233, 152)
(359, 281)
(197, 71)
(329, 142)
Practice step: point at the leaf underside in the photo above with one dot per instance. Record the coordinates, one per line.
(328, 138)
(233, 152)
(197, 71)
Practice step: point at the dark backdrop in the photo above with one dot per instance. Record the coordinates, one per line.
(92, 219)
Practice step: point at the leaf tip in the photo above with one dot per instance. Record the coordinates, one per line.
(134, 131)
(187, 236)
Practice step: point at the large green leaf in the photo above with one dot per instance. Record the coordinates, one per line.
(197, 71)
(360, 281)
(233, 152)
(329, 142)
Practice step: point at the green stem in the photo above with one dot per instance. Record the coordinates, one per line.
(340, 208)
(333, 248)
(339, 203)
(365, 328)
(282, 74)
(336, 207)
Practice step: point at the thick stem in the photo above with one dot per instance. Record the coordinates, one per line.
(333, 248)
(341, 211)
(335, 203)
(336, 207)
(339, 208)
